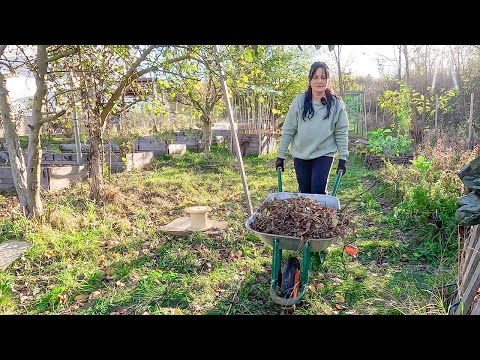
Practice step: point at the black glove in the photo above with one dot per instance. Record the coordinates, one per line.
(341, 166)
(280, 164)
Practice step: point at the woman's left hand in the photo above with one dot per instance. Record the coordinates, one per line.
(342, 166)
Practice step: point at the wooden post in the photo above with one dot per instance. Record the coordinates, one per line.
(155, 98)
(254, 115)
(470, 125)
(232, 151)
(234, 133)
(76, 130)
(260, 123)
(370, 108)
(364, 114)
(110, 152)
(357, 130)
(436, 117)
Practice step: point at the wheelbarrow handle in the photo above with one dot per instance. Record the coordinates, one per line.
(337, 182)
(335, 188)
(279, 177)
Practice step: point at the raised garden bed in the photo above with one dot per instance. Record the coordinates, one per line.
(376, 161)
(250, 144)
(51, 177)
(59, 173)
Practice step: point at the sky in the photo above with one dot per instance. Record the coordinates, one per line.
(361, 60)
(364, 58)
(20, 86)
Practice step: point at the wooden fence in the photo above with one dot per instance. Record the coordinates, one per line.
(251, 144)
(468, 294)
(376, 161)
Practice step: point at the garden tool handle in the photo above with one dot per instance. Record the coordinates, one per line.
(337, 182)
(279, 177)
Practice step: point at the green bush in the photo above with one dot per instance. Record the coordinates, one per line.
(380, 143)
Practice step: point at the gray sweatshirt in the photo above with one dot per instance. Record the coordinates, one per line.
(315, 137)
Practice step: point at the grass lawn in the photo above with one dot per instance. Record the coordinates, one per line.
(109, 258)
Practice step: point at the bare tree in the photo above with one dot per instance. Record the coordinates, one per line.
(27, 175)
(407, 71)
(336, 53)
(12, 140)
(104, 73)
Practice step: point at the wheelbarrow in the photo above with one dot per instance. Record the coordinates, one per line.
(309, 247)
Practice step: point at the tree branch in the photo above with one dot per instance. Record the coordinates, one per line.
(179, 75)
(155, 67)
(128, 78)
(59, 56)
(126, 107)
(60, 93)
(131, 75)
(27, 59)
(51, 118)
(6, 63)
(198, 106)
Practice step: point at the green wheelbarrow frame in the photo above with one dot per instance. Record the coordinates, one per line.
(310, 247)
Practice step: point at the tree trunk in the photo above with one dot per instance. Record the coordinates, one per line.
(12, 143)
(399, 62)
(35, 206)
(436, 117)
(471, 134)
(407, 71)
(417, 133)
(424, 112)
(96, 173)
(340, 75)
(207, 134)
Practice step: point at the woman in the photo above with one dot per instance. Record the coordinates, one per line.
(316, 126)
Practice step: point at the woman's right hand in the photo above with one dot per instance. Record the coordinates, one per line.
(280, 163)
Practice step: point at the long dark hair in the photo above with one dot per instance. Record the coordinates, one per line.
(307, 102)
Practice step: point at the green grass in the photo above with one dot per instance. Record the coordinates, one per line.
(112, 258)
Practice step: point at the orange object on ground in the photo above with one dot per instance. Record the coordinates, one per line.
(297, 283)
(351, 250)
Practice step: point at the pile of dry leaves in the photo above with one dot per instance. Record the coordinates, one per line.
(299, 217)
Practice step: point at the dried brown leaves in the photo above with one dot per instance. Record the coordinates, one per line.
(299, 217)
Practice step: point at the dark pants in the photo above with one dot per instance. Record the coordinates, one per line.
(312, 175)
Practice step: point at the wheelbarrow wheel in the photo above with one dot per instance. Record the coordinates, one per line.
(290, 278)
